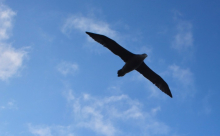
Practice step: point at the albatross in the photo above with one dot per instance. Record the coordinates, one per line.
(132, 62)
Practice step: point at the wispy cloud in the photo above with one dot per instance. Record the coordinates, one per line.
(207, 109)
(66, 68)
(155, 110)
(79, 23)
(55, 130)
(104, 115)
(82, 23)
(11, 59)
(183, 39)
(184, 78)
(40, 130)
(6, 18)
(69, 95)
(206, 103)
(157, 128)
(46, 36)
(9, 105)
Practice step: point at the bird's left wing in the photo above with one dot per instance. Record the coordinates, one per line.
(114, 47)
(154, 78)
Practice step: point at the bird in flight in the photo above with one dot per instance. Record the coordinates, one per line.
(132, 62)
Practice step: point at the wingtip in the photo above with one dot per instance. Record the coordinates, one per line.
(170, 94)
(90, 34)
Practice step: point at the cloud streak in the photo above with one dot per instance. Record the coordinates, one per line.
(10, 105)
(11, 59)
(106, 116)
(6, 18)
(66, 68)
(183, 78)
(81, 23)
(183, 39)
(39, 130)
(43, 130)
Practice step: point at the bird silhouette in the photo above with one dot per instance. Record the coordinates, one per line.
(132, 62)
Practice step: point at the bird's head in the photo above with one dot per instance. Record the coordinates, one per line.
(144, 55)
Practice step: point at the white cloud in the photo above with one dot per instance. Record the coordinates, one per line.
(183, 42)
(183, 39)
(6, 17)
(83, 24)
(39, 130)
(10, 105)
(90, 115)
(11, 59)
(184, 80)
(66, 68)
(103, 115)
(155, 110)
(157, 128)
(79, 23)
(185, 76)
(44, 130)
(46, 36)
(68, 94)
(108, 116)
(206, 105)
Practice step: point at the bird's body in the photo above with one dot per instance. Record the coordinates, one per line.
(132, 62)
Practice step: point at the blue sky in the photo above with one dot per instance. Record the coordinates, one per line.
(56, 81)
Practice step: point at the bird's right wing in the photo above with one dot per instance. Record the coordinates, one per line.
(154, 78)
(114, 47)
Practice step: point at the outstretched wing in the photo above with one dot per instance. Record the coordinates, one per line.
(124, 54)
(154, 78)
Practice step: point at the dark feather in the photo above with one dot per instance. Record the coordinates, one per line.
(154, 78)
(124, 54)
